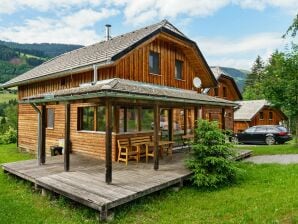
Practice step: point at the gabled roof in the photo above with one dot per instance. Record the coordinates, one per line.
(130, 89)
(218, 73)
(248, 109)
(100, 54)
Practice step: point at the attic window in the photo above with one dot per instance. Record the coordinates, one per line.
(261, 116)
(154, 62)
(270, 115)
(216, 91)
(224, 91)
(178, 69)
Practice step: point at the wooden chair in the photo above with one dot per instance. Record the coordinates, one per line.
(125, 151)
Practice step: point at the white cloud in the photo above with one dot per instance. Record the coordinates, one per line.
(11, 6)
(240, 53)
(75, 28)
(138, 12)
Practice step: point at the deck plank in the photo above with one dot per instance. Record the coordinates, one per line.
(85, 183)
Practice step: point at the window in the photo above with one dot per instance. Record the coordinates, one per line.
(178, 69)
(270, 115)
(62, 81)
(261, 116)
(101, 118)
(50, 118)
(147, 119)
(250, 130)
(224, 91)
(154, 62)
(215, 91)
(92, 118)
(260, 130)
(132, 120)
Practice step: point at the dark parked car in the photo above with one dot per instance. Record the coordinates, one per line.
(264, 134)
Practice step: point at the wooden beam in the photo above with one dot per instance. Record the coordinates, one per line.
(223, 120)
(108, 140)
(156, 135)
(43, 135)
(67, 137)
(125, 120)
(116, 127)
(139, 118)
(196, 116)
(170, 124)
(185, 121)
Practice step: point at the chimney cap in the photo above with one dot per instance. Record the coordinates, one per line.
(108, 25)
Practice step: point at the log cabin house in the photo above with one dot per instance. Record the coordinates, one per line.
(256, 112)
(136, 84)
(225, 89)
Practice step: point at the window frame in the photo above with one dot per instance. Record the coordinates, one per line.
(47, 118)
(95, 118)
(181, 69)
(261, 117)
(270, 115)
(215, 91)
(153, 71)
(224, 91)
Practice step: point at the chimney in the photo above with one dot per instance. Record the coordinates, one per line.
(108, 29)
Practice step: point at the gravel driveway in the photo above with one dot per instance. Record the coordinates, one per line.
(281, 159)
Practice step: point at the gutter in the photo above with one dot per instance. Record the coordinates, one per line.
(126, 96)
(85, 68)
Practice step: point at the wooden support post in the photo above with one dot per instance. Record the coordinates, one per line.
(170, 124)
(223, 119)
(116, 119)
(125, 120)
(43, 135)
(185, 121)
(139, 118)
(67, 137)
(108, 142)
(196, 117)
(156, 135)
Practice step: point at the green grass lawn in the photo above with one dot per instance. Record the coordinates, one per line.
(5, 97)
(266, 194)
(287, 148)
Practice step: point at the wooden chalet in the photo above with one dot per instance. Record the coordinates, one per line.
(256, 112)
(225, 89)
(131, 87)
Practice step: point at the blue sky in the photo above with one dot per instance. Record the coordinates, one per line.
(228, 32)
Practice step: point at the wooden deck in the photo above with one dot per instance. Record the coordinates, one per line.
(85, 182)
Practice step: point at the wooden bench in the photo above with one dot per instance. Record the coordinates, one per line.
(126, 152)
(163, 145)
(139, 143)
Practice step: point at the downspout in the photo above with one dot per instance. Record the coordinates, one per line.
(94, 74)
(39, 133)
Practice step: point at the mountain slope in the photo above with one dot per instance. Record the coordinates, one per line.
(239, 75)
(43, 49)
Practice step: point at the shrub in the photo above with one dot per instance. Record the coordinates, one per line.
(212, 157)
(10, 136)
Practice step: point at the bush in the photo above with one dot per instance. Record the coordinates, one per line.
(212, 157)
(10, 136)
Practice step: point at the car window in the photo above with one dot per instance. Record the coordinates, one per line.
(272, 130)
(250, 130)
(260, 129)
(282, 129)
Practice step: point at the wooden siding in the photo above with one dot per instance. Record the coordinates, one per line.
(276, 119)
(214, 113)
(231, 92)
(90, 143)
(133, 66)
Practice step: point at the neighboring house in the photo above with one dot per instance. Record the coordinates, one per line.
(226, 89)
(256, 112)
(114, 89)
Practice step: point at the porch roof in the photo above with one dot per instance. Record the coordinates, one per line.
(127, 89)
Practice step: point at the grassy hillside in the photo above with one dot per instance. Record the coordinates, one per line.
(5, 97)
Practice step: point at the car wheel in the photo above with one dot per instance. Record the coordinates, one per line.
(235, 140)
(270, 140)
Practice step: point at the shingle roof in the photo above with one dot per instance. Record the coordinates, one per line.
(122, 86)
(248, 109)
(102, 52)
